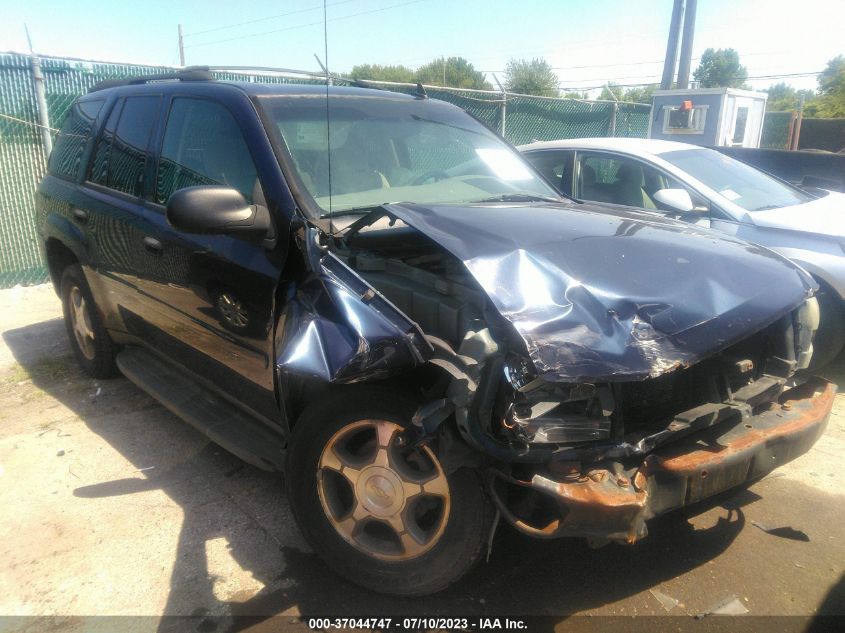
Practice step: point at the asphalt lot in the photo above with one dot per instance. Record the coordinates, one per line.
(112, 506)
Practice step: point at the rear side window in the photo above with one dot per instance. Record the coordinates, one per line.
(121, 152)
(203, 145)
(74, 135)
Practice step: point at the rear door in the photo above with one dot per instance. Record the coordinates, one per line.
(213, 294)
(112, 207)
(556, 166)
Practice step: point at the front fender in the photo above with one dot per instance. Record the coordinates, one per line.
(334, 327)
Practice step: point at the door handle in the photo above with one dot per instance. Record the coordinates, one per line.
(81, 215)
(152, 244)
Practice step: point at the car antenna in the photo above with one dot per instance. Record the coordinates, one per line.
(328, 114)
(421, 93)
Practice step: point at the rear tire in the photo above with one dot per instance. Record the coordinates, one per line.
(91, 344)
(830, 337)
(371, 534)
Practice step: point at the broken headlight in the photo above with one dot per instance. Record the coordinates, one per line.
(552, 413)
(806, 324)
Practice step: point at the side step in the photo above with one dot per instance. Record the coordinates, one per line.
(212, 415)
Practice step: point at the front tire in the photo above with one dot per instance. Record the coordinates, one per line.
(91, 344)
(383, 515)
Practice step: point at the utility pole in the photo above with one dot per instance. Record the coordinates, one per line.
(181, 47)
(686, 44)
(672, 45)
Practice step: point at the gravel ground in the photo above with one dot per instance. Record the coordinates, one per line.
(112, 506)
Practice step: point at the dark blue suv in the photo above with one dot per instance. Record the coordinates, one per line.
(377, 294)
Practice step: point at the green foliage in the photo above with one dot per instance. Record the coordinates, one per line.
(458, 72)
(534, 77)
(612, 92)
(640, 94)
(831, 100)
(574, 94)
(785, 98)
(377, 72)
(720, 68)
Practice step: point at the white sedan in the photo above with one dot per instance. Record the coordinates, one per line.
(707, 188)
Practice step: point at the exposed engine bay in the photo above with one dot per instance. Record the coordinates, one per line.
(542, 439)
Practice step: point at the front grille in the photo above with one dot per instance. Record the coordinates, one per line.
(656, 401)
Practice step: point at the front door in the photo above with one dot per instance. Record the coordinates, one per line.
(214, 294)
(616, 179)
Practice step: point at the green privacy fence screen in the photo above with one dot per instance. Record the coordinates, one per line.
(22, 158)
(775, 130)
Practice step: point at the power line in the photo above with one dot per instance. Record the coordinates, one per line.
(656, 81)
(300, 26)
(659, 61)
(269, 17)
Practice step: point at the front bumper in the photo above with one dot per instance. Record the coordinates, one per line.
(612, 500)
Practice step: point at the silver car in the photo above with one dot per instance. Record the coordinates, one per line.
(709, 189)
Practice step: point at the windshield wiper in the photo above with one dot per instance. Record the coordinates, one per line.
(766, 207)
(519, 197)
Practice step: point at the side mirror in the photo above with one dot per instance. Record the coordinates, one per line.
(217, 210)
(674, 199)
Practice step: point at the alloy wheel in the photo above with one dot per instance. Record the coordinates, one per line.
(385, 499)
(80, 320)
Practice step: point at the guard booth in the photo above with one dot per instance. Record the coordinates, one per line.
(713, 117)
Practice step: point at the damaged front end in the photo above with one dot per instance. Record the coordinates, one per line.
(603, 368)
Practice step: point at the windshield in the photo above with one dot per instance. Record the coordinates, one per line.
(742, 184)
(388, 149)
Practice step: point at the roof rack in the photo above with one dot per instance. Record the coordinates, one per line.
(193, 73)
(353, 81)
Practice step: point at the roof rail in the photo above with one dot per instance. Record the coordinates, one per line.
(359, 83)
(194, 73)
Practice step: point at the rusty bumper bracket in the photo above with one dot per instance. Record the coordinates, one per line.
(613, 500)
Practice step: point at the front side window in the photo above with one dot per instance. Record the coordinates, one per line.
(621, 180)
(74, 135)
(120, 154)
(203, 145)
(735, 181)
(388, 149)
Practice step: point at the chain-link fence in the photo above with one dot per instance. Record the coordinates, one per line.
(519, 118)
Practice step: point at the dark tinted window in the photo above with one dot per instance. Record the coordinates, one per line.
(100, 163)
(129, 146)
(70, 145)
(203, 146)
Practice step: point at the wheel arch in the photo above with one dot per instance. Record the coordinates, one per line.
(59, 257)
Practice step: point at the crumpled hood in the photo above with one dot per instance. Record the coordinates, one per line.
(822, 216)
(599, 294)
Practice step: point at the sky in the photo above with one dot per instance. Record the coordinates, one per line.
(588, 42)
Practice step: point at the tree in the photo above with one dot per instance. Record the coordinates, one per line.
(458, 73)
(641, 94)
(611, 92)
(377, 72)
(831, 100)
(534, 77)
(574, 94)
(720, 68)
(782, 97)
(785, 98)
